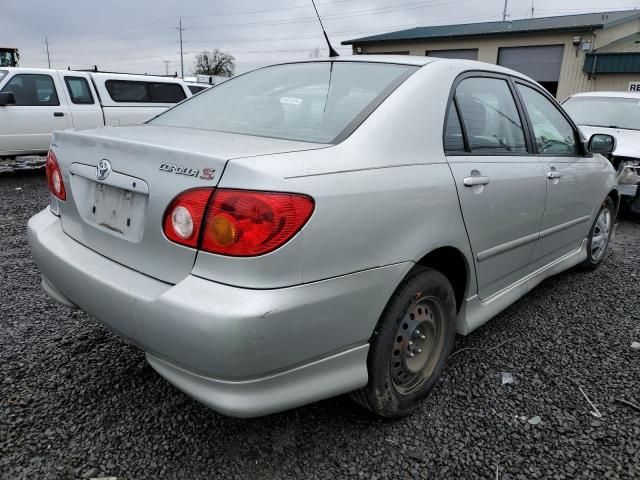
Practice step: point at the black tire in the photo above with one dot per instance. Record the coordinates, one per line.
(595, 256)
(424, 299)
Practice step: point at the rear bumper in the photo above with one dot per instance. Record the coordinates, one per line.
(242, 352)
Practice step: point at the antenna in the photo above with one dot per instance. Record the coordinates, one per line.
(332, 51)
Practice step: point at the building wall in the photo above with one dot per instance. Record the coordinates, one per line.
(614, 82)
(611, 34)
(572, 78)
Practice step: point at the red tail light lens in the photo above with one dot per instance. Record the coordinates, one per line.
(183, 218)
(245, 223)
(54, 176)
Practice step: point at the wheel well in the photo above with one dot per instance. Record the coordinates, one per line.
(452, 264)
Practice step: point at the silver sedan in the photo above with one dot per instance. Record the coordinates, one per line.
(322, 227)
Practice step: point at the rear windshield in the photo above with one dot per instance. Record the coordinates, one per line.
(311, 102)
(613, 112)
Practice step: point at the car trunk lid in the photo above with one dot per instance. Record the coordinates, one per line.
(120, 181)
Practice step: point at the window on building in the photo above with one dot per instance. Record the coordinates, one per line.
(490, 116)
(32, 90)
(554, 134)
(79, 90)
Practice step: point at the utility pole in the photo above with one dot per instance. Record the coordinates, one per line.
(532, 8)
(504, 12)
(180, 29)
(166, 67)
(46, 41)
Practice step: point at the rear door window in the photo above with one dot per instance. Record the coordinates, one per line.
(490, 116)
(79, 90)
(31, 90)
(453, 138)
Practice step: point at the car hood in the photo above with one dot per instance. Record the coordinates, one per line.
(627, 141)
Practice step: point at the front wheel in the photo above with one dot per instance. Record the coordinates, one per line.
(410, 345)
(599, 236)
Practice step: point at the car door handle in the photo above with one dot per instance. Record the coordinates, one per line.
(58, 114)
(553, 174)
(474, 181)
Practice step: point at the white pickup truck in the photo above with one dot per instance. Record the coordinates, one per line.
(35, 102)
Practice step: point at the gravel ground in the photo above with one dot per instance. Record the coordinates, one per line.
(76, 401)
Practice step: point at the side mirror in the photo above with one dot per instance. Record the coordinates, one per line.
(602, 143)
(7, 98)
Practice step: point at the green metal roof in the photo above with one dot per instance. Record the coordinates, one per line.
(581, 22)
(612, 63)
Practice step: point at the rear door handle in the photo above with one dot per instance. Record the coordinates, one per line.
(474, 181)
(58, 114)
(553, 174)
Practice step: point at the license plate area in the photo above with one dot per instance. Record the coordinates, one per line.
(111, 209)
(117, 210)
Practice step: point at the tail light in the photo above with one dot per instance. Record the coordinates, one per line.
(238, 223)
(54, 176)
(183, 218)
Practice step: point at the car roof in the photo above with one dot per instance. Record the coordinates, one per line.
(460, 64)
(635, 95)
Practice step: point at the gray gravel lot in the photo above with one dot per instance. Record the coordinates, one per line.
(76, 401)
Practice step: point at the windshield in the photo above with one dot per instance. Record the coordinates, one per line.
(3, 73)
(613, 112)
(311, 102)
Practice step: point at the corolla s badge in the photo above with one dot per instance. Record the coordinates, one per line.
(103, 169)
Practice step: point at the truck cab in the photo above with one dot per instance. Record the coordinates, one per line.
(36, 102)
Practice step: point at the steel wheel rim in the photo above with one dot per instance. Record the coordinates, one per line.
(600, 236)
(418, 344)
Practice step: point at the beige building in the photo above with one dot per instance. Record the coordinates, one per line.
(566, 54)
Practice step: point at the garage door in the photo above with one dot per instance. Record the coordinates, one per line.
(542, 63)
(463, 53)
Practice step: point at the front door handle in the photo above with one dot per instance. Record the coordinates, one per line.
(553, 174)
(474, 181)
(58, 114)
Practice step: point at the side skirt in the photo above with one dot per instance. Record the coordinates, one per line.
(476, 312)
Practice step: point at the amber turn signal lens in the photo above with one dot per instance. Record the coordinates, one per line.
(224, 230)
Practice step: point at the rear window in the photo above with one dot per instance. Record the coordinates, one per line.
(316, 102)
(130, 91)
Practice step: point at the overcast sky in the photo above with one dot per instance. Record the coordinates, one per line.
(137, 35)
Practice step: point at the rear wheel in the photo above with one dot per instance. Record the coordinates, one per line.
(599, 236)
(410, 345)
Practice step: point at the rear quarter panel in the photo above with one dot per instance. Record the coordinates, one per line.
(385, 195)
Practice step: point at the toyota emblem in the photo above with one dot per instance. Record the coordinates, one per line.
(103, 169)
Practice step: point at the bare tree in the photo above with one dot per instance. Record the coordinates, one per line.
(215, 62)
(315, 53)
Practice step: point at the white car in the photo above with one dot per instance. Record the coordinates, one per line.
(35, 102)
(617, 114)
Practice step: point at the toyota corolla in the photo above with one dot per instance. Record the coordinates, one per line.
(315, 228)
